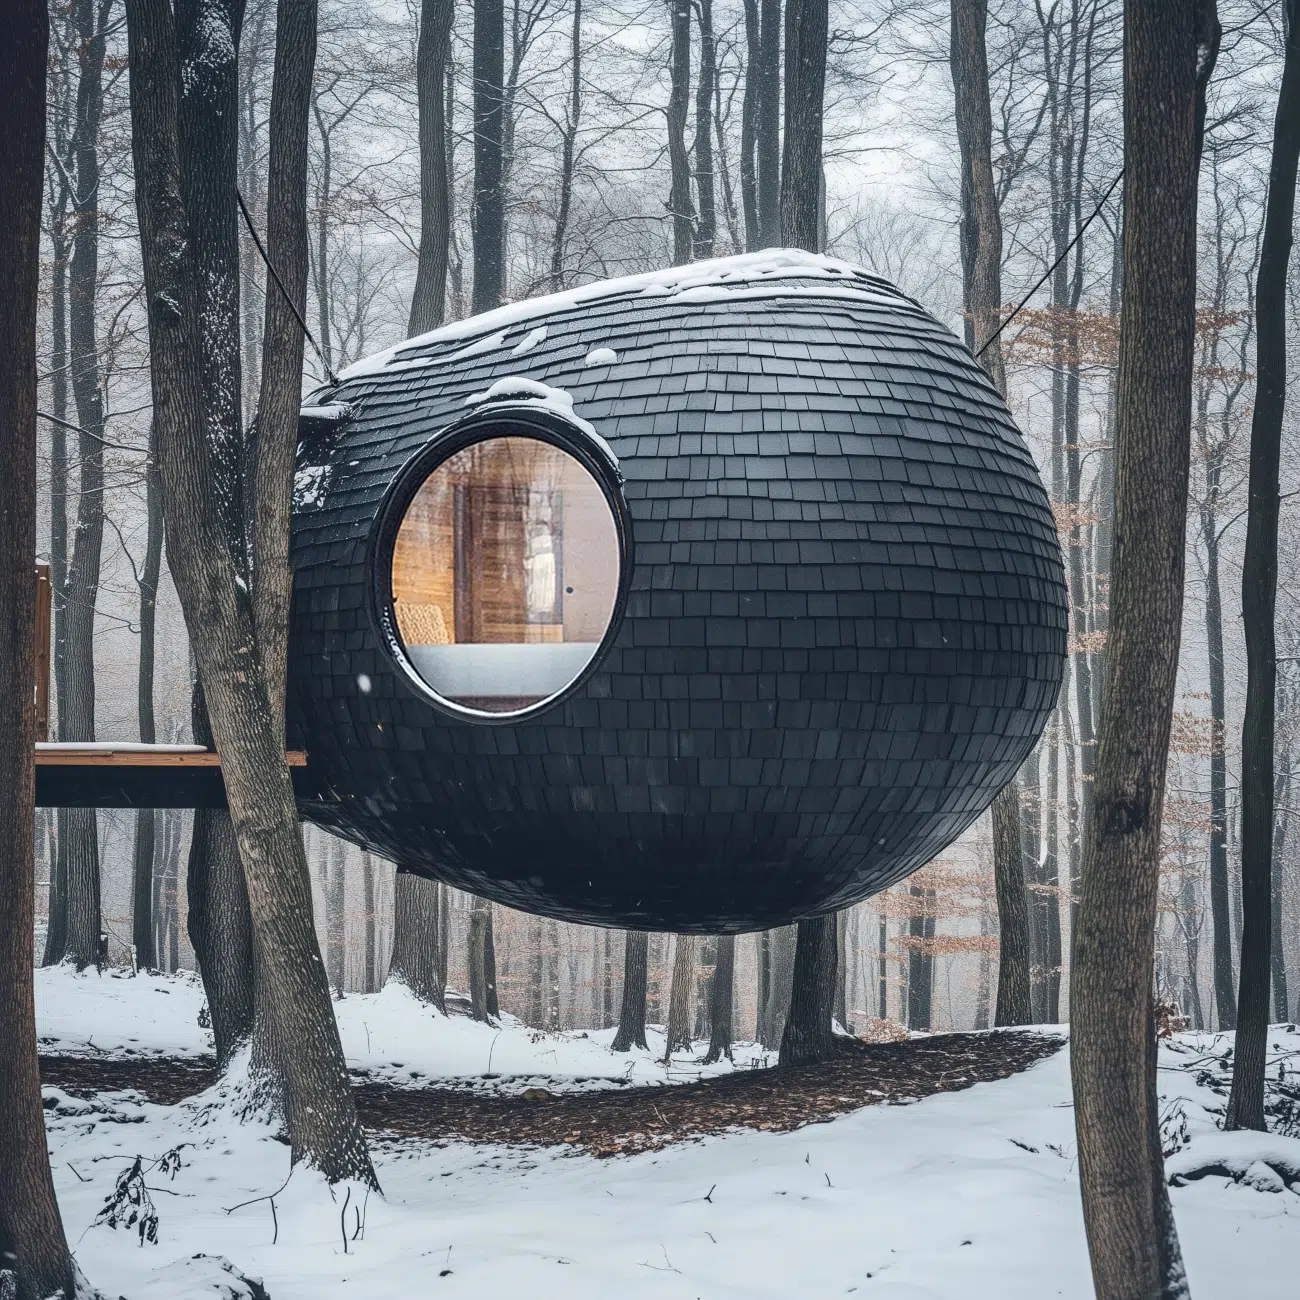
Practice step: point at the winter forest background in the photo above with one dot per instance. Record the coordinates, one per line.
(587, 175)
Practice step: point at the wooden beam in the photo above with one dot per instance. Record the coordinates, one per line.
(139, 756)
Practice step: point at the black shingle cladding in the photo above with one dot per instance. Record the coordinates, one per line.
(845, 631)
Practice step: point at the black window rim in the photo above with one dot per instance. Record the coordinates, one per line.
(498, 420)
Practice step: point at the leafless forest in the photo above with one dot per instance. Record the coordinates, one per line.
(588, 160)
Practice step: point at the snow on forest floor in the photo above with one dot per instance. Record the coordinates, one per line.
(960, 1196)
(388, 1036)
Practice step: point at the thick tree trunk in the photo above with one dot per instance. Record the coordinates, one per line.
(489, 117)
(722, 1000)
(417, 959)
(809, 1036)
(1281, 791)
(767, 125)
(490, 967)
(1131, 1234)
(144, 851)
(681, 1001)
(198, 485)
(220, 929)
(631, 1020)
(428, 302)
(34, 1258)
(801, 153)
(1259, 599)
(706, 228)
(679, 195)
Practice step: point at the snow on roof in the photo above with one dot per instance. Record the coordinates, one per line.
(755, 274)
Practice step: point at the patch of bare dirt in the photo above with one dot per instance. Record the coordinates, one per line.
(633, 1119)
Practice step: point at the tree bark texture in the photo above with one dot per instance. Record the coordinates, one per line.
(681, 1001)
(1131, 1234)
(1224, 985)
(706, 227)
(568, 153)
(809, 1036)
(801, 152)
(271, 455)
(775, 1007)
(631, 1020)
(722, 1000)
(920, 961)
(767, 125)
(77, 722)
(370, 983)
(981, 254)
(749, 127)
(428, 301)
(144, 851)
(34, 1258)
(417, 959)
(489, 215)
(335, 949)
(220, 930)
(1259, 600)
(1013, 996)
(317, 1100)
(482, 962)
(679, 167)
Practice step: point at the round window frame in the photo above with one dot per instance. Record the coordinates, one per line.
(499, 420)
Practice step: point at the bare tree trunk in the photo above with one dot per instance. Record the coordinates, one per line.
(631, 1021)
(1277, 948)
(808, 1036)
(1131, 1234)
(981, 253)
(417, 939)
(144, 852)
(842, 968)
(767, 125)
(920, 962)
(368, 885)
(682, 998)
(749, 127)
(428, 302)
(706, 227)
(722, 1000)
(335, 949)
(220, 929)
(490, 966)
(568, 152)
(1259, 600)
(801, 154)
(198, 486)
(489, 119)
(34, 1258)
(482, 976)
(56, 931)
(679, 196)
(1224, 985)
(78, 722)
(780, 975)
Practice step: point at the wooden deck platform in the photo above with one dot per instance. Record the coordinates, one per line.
(125, 775)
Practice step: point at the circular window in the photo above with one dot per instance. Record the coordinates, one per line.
(505, 572)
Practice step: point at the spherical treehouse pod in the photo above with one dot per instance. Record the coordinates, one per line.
(698, 601)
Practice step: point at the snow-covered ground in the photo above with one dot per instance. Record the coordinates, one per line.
(961, 1196)
(390, 1036)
